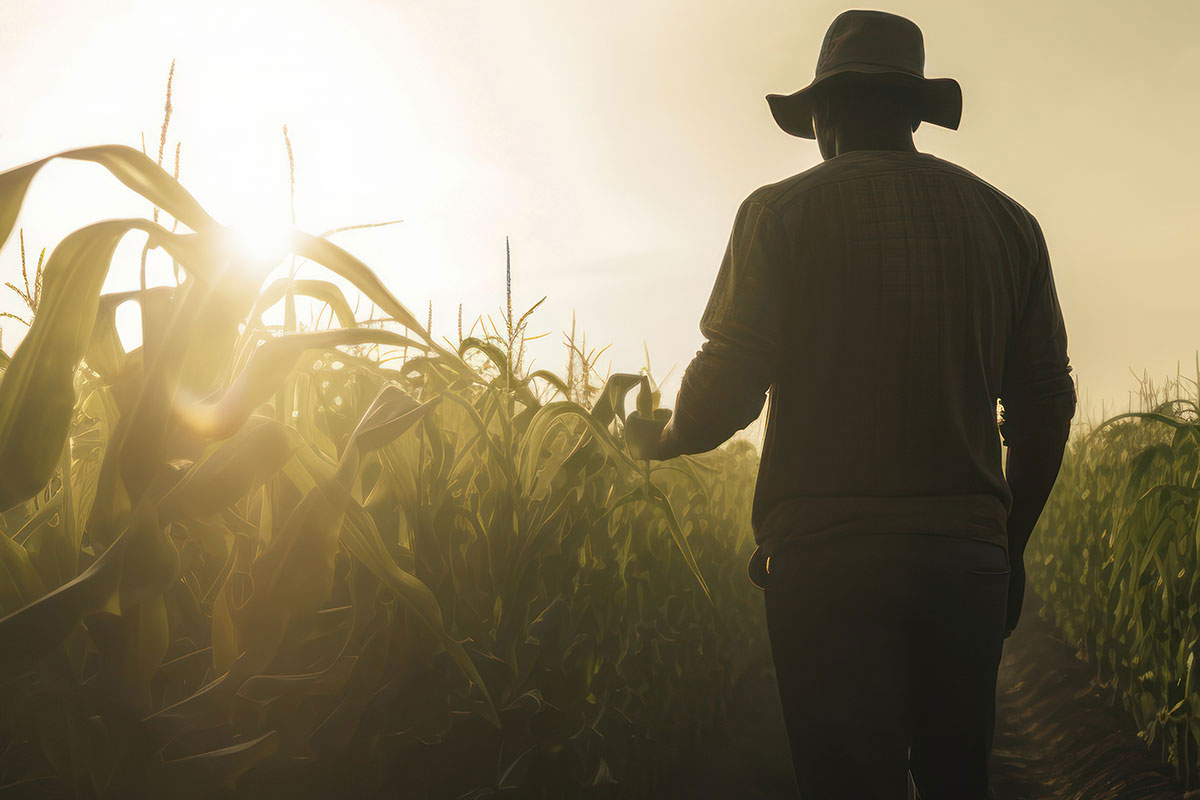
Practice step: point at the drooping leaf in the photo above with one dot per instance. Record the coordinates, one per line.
(131, 167)
(263, 688)
(37, 394)
(32, 632)
(201, 775)
(263, 374)
(105, 354)
(19, 581)
(334, 258)
(230, 469)
(323, 291)
(610, 404)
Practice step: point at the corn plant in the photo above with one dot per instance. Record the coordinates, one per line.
(1116, 557)
(257, 562)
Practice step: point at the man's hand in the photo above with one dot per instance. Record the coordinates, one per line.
(645, 435)
(1016, 595)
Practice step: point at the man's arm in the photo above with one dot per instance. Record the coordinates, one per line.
(1039, 402)
(724, 387)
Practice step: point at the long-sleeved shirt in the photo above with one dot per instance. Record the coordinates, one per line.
(886, 299)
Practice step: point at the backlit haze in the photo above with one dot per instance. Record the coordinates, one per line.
(612, 142)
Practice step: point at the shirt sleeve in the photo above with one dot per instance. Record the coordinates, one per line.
(1037, 391)
(724, 387)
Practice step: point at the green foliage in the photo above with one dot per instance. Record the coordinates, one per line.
(1116, 556)
(238, 561)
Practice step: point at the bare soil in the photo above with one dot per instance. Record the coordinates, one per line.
(1058, 737)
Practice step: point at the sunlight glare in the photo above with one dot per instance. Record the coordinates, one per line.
(260, 246)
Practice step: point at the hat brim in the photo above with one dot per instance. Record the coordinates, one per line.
(939, 100)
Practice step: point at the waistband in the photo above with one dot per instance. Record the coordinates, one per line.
(981, 517)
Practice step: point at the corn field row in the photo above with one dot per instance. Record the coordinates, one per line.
(255, 560)
(1116, 557)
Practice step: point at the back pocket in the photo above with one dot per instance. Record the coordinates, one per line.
(994, 563)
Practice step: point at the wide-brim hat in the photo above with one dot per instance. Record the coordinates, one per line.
(878, 47)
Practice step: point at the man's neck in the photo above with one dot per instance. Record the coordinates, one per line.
(899, 140)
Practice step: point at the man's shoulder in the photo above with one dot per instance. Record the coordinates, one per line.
(776, 196)
(869, 165)
(985, 186)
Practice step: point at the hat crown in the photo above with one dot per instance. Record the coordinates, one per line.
(874, 38)
(884, 48)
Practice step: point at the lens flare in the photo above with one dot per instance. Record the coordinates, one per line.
(259, 246)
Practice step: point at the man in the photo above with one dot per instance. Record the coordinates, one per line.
(887, 298)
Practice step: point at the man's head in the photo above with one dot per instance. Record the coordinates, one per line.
(853, 111)
(861, 51)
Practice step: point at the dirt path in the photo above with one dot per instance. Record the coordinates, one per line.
(1057, 738)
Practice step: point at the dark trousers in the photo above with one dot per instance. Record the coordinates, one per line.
(886, 648)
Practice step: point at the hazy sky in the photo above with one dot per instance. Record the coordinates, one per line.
(613, 142)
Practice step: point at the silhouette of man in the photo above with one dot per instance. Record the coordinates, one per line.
(887, 299)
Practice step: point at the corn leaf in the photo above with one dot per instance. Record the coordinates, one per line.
(131, 167)
(37, 394)
(324, 291)
(230, 470)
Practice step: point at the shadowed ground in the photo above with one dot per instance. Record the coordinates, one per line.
(1059, 738)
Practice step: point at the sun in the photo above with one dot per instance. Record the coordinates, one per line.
(259, 245)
